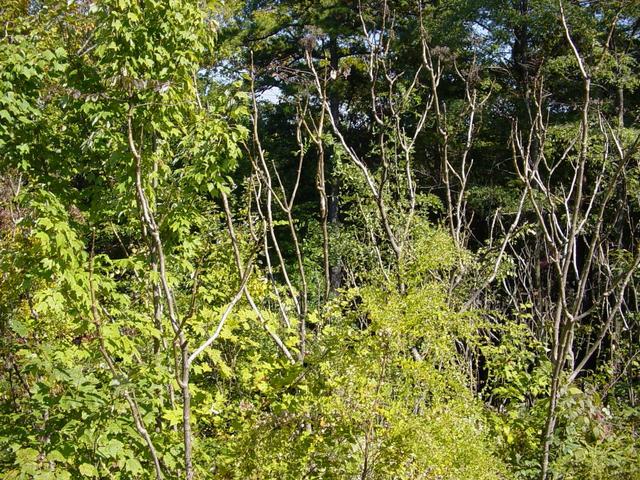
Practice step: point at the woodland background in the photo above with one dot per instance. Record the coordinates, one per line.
(293, 239)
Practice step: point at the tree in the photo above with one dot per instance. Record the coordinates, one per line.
(294, 240)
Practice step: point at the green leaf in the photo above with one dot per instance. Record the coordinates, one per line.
(112, 449)
(26, 455)
(88, 470)
(174, 417)
(18, 327)
(134, 466)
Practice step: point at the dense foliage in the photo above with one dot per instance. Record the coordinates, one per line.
(290, 239)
